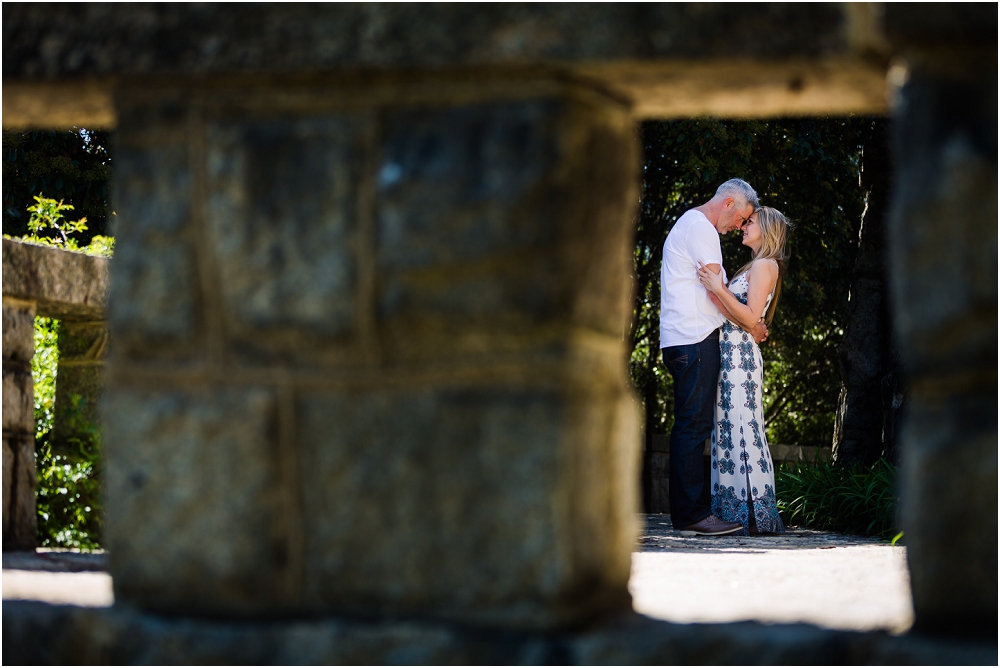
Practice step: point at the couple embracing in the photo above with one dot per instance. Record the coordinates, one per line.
(710, 329)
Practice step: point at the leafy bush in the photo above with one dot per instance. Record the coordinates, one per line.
(856, 500)
(48, 226)
(68, 493)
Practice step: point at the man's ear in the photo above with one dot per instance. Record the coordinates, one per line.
(728, 202)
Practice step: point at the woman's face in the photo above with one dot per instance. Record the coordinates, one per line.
(751, 232)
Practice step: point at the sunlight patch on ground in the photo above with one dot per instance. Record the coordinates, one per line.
(834, 581)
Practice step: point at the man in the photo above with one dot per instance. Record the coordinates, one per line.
(689, 344)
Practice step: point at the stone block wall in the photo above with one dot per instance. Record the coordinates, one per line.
(43, 281)
(382, 343)
(943, 264)
(19, 522)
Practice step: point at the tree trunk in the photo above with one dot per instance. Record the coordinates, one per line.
(870, 402)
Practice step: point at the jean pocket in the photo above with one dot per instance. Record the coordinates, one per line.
(676, 364)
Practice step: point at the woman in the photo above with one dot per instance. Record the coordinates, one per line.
(743, 490)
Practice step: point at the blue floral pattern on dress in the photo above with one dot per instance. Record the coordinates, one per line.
(726, 352)
(739, 418)
(725, 394)
(750, 388)
(746, 349)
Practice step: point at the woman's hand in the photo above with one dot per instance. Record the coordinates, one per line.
(711, 280)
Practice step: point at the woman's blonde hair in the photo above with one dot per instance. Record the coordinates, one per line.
(773, 236)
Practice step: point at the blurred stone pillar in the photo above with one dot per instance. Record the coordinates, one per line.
(943, 246)
(20, 525)
(368, 351)
(83, 347)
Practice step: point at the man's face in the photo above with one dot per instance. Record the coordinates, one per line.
(734, 215)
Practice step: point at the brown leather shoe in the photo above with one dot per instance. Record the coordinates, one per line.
(710, 526)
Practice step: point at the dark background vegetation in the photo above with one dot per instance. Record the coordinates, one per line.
(808, 169)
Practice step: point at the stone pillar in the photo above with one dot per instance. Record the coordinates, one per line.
(83, 347)
(369, 351)
(20, 525)
(943, 234)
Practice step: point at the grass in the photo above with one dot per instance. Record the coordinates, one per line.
(857, 500)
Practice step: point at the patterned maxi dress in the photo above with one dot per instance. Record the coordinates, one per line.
(741, 460)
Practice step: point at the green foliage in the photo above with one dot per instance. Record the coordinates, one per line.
(43, 372)
(47, 216)
(808, 169)
(49, 227)
(68, 492)
(72, 166)
(856, 500)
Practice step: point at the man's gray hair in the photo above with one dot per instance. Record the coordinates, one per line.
(739, 189)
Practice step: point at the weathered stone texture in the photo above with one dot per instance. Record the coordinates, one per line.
(18, 332)
(19, 481)
(498, 456)
(396, 276)
(19, 522)
(93, 40)
(18, 400)
(155, 288)
(37, 633)
(943, 270)
(63, 284)
(672, 59)
(83, 348)
(491, 222)
(282, 209)
(196, 517)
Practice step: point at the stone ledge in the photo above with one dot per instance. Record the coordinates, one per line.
(39, 633)
(63, 284)
(93, 40)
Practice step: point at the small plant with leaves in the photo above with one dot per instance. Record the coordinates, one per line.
(48, 226)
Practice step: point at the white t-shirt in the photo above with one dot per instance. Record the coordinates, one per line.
(687, 315)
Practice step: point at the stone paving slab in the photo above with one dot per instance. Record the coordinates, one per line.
(92, 590)
(830, 580)
(659, 535)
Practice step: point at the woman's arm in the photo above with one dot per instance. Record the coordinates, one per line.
(722, 307)
(761, 277)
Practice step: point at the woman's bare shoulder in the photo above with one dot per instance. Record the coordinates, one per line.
(763, 272)
(764, 266)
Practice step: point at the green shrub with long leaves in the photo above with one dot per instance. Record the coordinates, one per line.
(856, 500)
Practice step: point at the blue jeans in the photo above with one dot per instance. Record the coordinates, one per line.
(695, 370)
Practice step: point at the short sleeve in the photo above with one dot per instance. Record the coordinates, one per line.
(703, 244)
